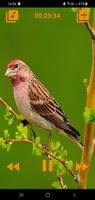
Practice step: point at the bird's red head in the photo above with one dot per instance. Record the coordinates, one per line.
(16, 70)
(13, 64)
(13, 68)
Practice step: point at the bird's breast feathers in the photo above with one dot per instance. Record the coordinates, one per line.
(22, 102)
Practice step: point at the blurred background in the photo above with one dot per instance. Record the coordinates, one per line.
(59, 53)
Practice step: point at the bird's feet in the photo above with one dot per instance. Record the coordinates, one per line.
(33, 134)
(47, 143)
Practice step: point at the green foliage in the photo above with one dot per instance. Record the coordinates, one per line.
(60, 168)
(85, 82)
(20, 117)
(6, 134)
(22, 132)
(60, 152)
(18, 136)
(9, 117)
(75, 9)
(63, 152)
(1, 141)
(85, 8)
(89, 115)
(8, 147)
(56, 185)
(37, 141)
(78, 8)
(70, 164)
(54, 147)
(35, 150)
(4, 145)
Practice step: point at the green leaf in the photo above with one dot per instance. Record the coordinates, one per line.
(85, 81)
(36, 151)
(23, 130)
(89, 115)
(4, 145)
(54, 145)
(1, 141)
(18, 135)
(85, 8)
(70, 164)
(9, 117)
(56, 185)
(75, 9)
(37, 141)
(10, 121)
(9, 146)
(20, 117)
(64, 154)
(6, 134)
(59, 167)
(78, 8)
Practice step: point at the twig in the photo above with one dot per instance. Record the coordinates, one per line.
(89, 126)
(61, 182)
(8, 107)
(90, 29)
(47, 153)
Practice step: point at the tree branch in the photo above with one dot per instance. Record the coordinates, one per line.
(61, 182)
(89, 126)
(47, 153)
(90, 29)
(8, 107)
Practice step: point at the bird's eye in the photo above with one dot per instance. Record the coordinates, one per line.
(16, 66)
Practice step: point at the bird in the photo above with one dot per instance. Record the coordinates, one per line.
(36, 103)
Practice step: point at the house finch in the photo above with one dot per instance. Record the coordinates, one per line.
(36, 103)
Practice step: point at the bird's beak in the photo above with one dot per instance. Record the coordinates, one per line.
(9, 73)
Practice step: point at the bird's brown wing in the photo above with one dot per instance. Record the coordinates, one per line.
(45, 105)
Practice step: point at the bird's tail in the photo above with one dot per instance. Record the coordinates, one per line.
(74, 135)
(77, 141)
